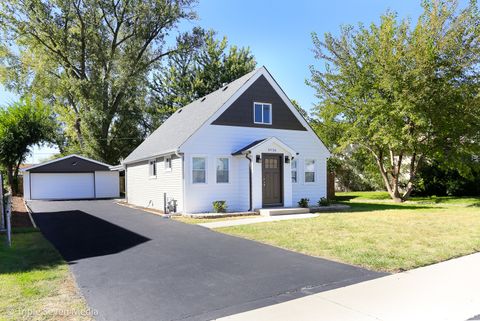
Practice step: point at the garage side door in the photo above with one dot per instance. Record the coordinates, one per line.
(62, 185)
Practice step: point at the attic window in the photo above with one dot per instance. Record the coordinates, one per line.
(180, 110)
(225, 88)
(203, 99)
(262, 113)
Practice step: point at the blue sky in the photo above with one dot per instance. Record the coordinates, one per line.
(279, 35)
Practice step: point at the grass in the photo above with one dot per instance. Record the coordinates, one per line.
(36, 283)
(191, 220)
(379, 234)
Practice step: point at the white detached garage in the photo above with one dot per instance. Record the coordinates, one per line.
(70, 177)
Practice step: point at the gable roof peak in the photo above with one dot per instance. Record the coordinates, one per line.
(186, 121)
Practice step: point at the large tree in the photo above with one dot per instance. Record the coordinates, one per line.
(189, 75)
(403, 93)
(91, 59)
(22, 125)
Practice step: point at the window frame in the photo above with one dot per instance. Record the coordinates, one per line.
(292, 169)
(206, 170)
(169, 168)
(314, 170)
(152, 170)
(228, 169)
(263, 105)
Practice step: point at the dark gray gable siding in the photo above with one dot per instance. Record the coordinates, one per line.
(67, 166)
(240, 113)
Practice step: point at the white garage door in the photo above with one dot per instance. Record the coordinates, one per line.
(62, 185)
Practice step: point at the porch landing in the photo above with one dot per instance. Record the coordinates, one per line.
(273, 211)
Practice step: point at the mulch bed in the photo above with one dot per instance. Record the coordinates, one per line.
(20, 216)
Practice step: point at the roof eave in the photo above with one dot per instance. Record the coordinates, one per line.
(141, 159)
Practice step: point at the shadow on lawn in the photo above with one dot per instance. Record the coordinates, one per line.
(367, 207)
(29, 251)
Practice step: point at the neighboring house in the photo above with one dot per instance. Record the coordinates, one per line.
(70, 177)
(245, 144)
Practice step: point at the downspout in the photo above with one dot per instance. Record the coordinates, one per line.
(181, 156)
(249, 180)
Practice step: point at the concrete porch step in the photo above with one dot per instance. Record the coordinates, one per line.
(282, 211)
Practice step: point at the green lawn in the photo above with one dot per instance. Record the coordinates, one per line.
(379, 234)
(36, 283)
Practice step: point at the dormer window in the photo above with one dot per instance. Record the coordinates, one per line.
(262, 113)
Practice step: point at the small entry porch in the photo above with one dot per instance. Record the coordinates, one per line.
(270, 175)
(273, 211)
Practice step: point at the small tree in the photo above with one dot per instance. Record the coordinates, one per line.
(401, 93)
(22, 125)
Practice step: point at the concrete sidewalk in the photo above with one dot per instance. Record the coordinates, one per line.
(443, 291)
(260, 219)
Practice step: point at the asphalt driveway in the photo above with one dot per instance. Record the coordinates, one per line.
(132, 265)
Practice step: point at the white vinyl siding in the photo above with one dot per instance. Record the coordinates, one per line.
(107, 184)
(146, 192)
(223, 140)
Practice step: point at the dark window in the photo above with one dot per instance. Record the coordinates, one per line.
(309, 171)
(152, 168)
(222, 170)
(294, 171)
(168, 163)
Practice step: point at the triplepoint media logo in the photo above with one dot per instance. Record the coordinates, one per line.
(28, 314)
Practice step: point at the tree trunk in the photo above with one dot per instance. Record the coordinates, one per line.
(78, 130)
(414, 165)
(392, 186)
(11, 181)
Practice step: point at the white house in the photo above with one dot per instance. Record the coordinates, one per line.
(245, 144)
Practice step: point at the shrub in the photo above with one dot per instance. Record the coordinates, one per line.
(220, 206)
(324, 202)
(303, 202)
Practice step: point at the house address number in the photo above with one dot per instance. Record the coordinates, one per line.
(272, 150)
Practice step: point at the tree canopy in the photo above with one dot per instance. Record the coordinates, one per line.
(90, 59)
(22, 125)
(189, 75)
(403, 93)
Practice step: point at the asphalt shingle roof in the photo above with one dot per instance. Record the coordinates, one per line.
(240, 151)
(185, 121)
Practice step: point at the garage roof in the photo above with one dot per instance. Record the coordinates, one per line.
(68, 164)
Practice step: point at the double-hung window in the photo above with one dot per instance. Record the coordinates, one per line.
(223, 166)
(168, 163)
(152, 168)
(294, 171)
(262, 113)
(199, 170)
(310, 171)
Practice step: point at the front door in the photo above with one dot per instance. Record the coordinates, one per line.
(272, 179)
